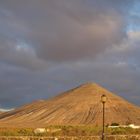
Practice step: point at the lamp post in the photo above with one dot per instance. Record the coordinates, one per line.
(103, 100)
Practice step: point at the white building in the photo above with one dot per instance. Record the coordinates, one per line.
(134, 126)
(126, 126)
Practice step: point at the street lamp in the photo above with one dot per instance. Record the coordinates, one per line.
(103, 100)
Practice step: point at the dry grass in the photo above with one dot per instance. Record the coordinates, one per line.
(68, 131)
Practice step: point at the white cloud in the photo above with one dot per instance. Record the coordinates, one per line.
(5, 110)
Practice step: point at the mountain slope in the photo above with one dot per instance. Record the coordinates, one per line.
(76, 107)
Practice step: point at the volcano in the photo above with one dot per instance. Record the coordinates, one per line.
(79, 106)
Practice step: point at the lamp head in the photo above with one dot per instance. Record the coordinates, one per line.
(103, 98)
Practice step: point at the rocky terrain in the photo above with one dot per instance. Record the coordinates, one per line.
(79, 106)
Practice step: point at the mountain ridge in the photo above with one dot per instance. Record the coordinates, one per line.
(79, 106)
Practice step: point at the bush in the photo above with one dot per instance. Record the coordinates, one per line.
(114, 124)
(68, 131)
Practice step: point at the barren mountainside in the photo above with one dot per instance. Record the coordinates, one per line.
(79, 106)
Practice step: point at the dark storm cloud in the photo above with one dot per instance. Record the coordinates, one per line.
(19, 54)
(39, 34)
(67, 30)
(18, 85)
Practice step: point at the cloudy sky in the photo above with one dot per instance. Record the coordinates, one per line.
(49, 46)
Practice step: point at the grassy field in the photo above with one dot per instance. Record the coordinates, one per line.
(68, 131)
